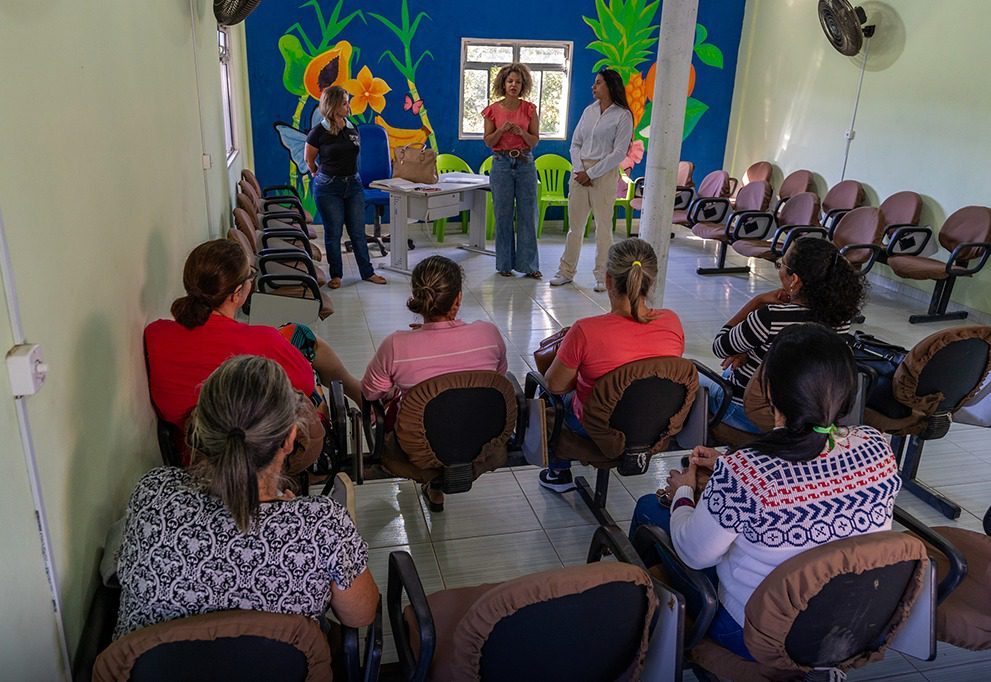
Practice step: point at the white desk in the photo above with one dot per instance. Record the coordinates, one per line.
(411, 202)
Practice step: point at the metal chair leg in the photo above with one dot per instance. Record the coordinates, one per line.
(596, 500)
(910, 467)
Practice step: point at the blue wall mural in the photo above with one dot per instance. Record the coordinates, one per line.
(400, 60)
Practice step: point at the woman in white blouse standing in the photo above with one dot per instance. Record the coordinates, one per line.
(599, 144)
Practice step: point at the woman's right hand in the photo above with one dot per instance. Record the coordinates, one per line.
(507, 127)
(773, 297)
(704, 458)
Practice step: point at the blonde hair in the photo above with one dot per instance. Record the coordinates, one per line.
(632, 265)
(499, 84)
(330, 99)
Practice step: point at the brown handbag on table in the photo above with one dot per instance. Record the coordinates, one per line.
(415, 163)
(547, 350)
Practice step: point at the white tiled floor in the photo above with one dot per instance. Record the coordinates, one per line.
(507, 525)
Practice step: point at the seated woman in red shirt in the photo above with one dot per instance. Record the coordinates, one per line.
(182, 353)
(595, 346)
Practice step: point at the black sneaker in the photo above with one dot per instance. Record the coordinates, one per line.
(559, 481)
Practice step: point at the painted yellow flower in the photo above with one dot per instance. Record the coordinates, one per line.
(366, 91)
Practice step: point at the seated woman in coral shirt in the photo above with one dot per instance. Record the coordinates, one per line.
(595, 346)
(442, 344)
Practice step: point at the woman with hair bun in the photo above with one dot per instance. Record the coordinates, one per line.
(227, 533)
(595, 346)
(817, 285)
(756, 511)
(441, 344)
(183, 352)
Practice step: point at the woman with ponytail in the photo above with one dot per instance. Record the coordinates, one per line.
(756, 511)
(227, 533)
(595, 346)
(182, 353)
(440, 344)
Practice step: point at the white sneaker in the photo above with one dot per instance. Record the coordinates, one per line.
(599, 285)
(558, 279)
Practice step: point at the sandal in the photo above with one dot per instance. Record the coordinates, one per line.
(376, 279)
(505, 273)
(535, 275)
(431, 505)
(334, 283)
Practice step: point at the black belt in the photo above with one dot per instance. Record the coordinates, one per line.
(513, 153)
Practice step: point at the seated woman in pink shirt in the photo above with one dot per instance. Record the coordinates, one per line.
(595, 346)
(442, 344)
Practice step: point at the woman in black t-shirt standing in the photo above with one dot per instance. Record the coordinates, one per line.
(337, 188)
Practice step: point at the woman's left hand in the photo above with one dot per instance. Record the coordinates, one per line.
(581, 177)
(678, 478)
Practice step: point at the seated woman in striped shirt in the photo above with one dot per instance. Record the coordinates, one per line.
(440, 345)
(817, 285)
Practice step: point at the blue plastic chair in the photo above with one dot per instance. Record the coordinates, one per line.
(375, 163)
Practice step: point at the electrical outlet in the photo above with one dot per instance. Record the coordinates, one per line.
(26, 368)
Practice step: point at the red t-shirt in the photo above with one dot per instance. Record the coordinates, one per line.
(521, 116)
(597, 345)
(180, 359)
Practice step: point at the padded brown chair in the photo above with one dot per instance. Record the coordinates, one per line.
(901, 209)
(800, 212)
(858, 234)
(833, 607)
(938, 376)
(715, 184)
(279, 207)
(796, 183)
(453, 427)
(762, 170)
(966, 234)
(590, 622)
(282, 234)
(272, 191)
(633, 412)
(750, 217)
(841, 198)
(683, 193)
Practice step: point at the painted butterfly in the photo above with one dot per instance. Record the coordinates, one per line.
(410, 105)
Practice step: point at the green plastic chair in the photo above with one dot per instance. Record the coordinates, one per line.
(552, 171)
(449, 163)
(486, 169)
(624, 195)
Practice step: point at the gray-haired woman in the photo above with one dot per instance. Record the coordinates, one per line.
(227, 533)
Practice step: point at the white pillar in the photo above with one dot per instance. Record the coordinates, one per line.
(667, 122)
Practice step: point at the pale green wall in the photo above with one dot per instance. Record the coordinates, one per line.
(103, 194)
(922, 122)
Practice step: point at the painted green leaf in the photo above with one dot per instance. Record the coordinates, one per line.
(700, 34)
(644, 123)
(710, 55)
(693, 112)
(296, 60)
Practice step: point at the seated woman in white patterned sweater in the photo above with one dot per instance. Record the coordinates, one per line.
(805, 483)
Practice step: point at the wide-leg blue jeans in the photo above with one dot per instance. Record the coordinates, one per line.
(514, 193)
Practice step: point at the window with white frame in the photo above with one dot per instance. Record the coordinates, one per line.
(227, 93)
(550, 63)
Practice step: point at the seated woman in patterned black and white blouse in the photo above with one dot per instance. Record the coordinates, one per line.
(226, 534)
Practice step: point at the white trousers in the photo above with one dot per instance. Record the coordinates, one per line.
(598, 200)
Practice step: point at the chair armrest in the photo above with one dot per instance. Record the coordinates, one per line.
(339, 422)
(717, 416)
(958, 563)
(654, 546)
(737, 227)
(519, 433)
(876, 252)
(832, 218)
(355, 671)
(269, 191)
(290, 235)
(268, 283)
(286, 218)
(282, 200)
(896, 235)
(638, 187)
(733, 183)
(611, 540)
(791, 233)
(708, 210)
(404, 578)
(97, 631)
(376, 440)
(290, 257)
(963, 270)
(535, 380)
(683, 197)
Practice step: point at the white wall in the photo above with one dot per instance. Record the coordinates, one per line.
(104, 116)
(922, 118)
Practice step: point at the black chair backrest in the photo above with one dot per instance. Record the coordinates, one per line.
(247, 658)
(955, 370)
(549, 640)
(850, 614)
(459, 421)
(643, 427)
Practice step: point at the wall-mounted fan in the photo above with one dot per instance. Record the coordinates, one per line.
(844, 25)
(230, 12)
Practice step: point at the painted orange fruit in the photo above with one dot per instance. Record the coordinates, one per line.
(652, 74)
(332, 67)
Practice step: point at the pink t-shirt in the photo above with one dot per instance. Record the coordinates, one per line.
(522, 116)
(597, 345)
(406, 358)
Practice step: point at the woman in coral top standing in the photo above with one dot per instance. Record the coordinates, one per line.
(512, 131)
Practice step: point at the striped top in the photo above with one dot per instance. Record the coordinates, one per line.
(754, 336)
(406, 358)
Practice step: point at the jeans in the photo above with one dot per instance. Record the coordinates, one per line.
(571, 423)
(735, 415)
(341, 202)
(514, 191)
(723, 630)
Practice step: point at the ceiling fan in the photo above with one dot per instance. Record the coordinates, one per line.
(230, 12)
(845, 26)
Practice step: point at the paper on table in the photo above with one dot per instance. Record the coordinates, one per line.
(459, 177)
